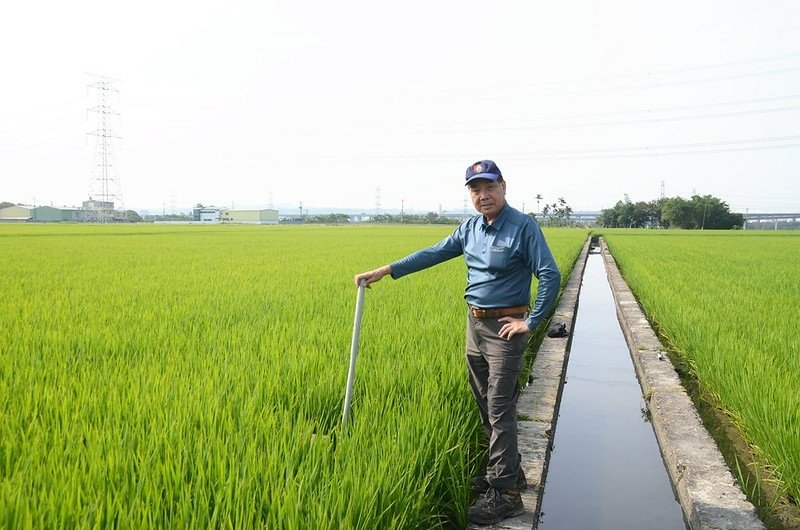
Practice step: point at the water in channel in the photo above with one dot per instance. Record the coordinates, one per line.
(605, 471)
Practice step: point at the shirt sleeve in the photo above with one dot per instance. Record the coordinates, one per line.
(541, 262)
(447, 248)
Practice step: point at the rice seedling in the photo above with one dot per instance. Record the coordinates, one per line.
(174, 376)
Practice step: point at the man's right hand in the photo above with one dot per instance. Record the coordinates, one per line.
(373, 276)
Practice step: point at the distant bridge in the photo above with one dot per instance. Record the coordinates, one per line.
(588, 217)
(591, 217)
(771, 216)
(762, 218)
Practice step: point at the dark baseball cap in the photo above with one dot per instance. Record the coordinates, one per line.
(483, 169)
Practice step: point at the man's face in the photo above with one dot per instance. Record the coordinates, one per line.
(488, 196)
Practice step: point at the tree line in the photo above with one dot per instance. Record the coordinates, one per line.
(699, 212)
(384, 218)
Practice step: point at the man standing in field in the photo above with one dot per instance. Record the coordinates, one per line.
(502, 247)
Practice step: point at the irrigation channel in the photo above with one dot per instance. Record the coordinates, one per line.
(608, 470)
(605, 470)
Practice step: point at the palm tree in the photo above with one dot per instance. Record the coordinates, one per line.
(538, 198)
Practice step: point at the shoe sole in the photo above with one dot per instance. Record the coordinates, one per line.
(516, 513)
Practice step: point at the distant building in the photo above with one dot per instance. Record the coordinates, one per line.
(52, 214)
(205, 213)
(260, 217)
(17, 214)
(42, 214)
(359, 218)
(101, 211)
(92, 204)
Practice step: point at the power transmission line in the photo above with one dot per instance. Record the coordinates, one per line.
(527, 91)
(604, 152)
(664, 154)
(618, 122)
(609, 77)
(42, 110)
(414, 129)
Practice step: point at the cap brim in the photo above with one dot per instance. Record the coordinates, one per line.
(485, 176)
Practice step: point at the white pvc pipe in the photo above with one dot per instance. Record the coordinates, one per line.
(351, 375)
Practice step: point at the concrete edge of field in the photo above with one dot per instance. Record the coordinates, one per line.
(705, 487)
(538, 403)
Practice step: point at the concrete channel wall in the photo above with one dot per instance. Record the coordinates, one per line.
(708, 493)
(706, 489)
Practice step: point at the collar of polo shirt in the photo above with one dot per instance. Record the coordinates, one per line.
(499, 219)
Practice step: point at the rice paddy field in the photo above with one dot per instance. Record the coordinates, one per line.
(728, 303)
(193, 377)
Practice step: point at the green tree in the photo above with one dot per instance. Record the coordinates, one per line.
(710, 213)
(677, 212)
(699, 212)
(622, 215)
(646, 214)
(132, 217)
(556, 214)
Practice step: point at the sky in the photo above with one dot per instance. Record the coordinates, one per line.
(378, 106)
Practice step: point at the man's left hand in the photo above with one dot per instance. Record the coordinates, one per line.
(511, 327)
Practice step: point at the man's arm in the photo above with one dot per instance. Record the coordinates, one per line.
(544, 267)
(541, 263)
(446, 249)
(373, 276)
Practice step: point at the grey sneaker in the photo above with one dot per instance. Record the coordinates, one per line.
(495, 505)
(481, 485)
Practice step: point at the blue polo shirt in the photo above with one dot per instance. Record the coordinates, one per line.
(500, 258)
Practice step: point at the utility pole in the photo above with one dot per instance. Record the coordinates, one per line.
(705, 207)
(662, 189)
(104, 184)
(402, 210)
(377, 201)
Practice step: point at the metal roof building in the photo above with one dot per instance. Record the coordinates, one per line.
(42, 214)
(260, 217)
(53, 214)
(16, 214)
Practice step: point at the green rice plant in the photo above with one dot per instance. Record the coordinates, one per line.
(193, 377)
(727, 302)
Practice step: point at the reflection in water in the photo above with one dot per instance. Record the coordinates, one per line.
(606, 470)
